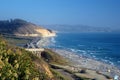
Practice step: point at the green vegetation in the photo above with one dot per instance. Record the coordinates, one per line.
(15, 40)
(17, 64)
(53, 58)
(18, 26)
(11, 26)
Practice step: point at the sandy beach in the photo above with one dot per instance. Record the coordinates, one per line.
(88, 63)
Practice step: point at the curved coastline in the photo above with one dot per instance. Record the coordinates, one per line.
(80, 61)
(89, 63)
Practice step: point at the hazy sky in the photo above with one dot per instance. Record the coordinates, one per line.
(99, 13)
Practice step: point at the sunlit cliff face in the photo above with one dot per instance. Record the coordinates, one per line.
(40, 32)
(45, 32)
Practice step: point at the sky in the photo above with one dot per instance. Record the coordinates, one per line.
(97, 13)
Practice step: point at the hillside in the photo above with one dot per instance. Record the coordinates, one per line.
(19, 64)
(23, 28)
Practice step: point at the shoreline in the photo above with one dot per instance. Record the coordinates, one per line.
(88, 63)
(85, 62)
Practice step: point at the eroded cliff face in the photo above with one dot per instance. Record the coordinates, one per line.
(39, 33)
(45, 32)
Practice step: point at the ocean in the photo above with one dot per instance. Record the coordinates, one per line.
(100, 46)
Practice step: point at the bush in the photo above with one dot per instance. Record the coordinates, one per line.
(83, 71)
(15, 66)
(52, 57)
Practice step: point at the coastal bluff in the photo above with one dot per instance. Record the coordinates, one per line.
(21, 27)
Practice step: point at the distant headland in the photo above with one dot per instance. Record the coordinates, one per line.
(21, 27)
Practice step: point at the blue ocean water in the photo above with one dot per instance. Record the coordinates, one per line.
(101, 46)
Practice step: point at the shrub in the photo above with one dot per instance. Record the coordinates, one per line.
(83, 71)
(14, 66)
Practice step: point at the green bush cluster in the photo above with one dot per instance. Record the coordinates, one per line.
(52, 57)
(16, 64)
